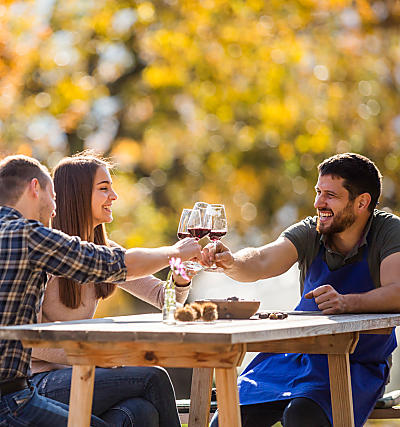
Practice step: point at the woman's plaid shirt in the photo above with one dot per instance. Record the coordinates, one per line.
(28, 252)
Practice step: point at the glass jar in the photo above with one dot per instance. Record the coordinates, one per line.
(169, 306)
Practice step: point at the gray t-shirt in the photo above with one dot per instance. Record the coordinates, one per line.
(381, 235)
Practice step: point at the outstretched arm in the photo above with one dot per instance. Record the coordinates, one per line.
(251, 264)
(141, 262)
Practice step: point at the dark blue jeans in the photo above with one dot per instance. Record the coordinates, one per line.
(27, 408)
(125, 396)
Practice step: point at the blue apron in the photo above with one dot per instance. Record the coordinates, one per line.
(270, 377)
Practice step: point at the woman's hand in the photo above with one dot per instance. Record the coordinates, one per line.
(180, 281)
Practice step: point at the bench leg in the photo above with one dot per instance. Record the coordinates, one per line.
(81, 396)
(200, 394)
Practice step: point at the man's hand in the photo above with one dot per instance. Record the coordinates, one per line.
(329, 301)
(219, 253)
(187, 249)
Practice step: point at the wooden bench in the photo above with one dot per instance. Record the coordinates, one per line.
(387, 406)
(184, 406)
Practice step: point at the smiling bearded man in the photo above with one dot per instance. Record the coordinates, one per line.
(349, 261)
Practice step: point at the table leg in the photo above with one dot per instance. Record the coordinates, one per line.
(200, 396)
(81, 396)
(341, 395)
(227, 397)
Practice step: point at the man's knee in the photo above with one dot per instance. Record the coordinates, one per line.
(159, 377)
(133, 412)
(302, 412)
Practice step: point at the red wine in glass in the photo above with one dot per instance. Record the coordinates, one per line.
(198, 233)
(182, 235)
(217, 234)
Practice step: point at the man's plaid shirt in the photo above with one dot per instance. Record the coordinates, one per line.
(28, 252)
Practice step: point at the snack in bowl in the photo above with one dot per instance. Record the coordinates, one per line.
(233, 307)
(198, 308)
(191, 312)
(185, 314)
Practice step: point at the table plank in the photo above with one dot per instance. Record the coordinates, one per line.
(321, 344)
(183, 355)
(149, 328)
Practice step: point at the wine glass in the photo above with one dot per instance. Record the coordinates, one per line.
(184, 232)
(199, 223)
(219, 227)
(183, 222)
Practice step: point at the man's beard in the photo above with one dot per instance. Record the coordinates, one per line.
(341, 221)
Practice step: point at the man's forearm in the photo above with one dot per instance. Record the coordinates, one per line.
(385, 299)
(246, 266)
(142, 262)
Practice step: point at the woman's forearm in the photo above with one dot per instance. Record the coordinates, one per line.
(151, 290)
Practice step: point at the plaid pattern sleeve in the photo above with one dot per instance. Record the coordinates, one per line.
(28, 251)
(62, 255)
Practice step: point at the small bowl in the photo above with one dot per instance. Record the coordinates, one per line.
(233, 309)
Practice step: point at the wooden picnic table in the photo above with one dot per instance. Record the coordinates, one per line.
(143, 340)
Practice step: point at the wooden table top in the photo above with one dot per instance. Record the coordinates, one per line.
(148, 327)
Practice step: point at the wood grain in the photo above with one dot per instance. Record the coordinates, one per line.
(382, 331)
(341, 396)
(200, 405)
(81, 396)
(148, 354)
(324, 344)
(385, 413)
(149, 329)
(228, 398)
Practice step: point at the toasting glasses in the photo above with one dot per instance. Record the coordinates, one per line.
(204, 219)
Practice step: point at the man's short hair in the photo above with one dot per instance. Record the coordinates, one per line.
(360, 175)
(15, 173)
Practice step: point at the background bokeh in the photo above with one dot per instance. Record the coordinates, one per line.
(218, 100)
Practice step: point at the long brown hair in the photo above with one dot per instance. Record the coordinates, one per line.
(73, 185)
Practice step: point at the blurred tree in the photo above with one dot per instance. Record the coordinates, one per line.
(216, 100)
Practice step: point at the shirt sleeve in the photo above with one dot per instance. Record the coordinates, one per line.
(299, 234)
(151, 290)
(388, 236)
(59, 254)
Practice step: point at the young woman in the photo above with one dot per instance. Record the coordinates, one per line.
(123, 396)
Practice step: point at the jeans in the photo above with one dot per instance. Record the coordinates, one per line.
(27, 408)
(298, 412)
(124, 396)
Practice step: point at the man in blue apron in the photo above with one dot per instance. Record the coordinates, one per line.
(349, 261)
